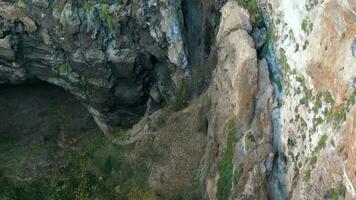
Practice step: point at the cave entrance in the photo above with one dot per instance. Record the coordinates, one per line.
(39, 123)
(41, 110)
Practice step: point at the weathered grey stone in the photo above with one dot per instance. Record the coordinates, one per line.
(353, 48)
(259, 36)
(6, 51)
(70, 18)
(122, 55)
(41, 3)
(94, 56)
(12, 75)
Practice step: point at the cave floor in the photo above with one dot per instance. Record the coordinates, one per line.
(45, 135)
(50, 148)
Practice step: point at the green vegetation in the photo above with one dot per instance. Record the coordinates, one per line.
(322, 142)
(106, 17)
(91, 169)
(312, 159)
(307, 92)
(66, 71)
(306, 44)
(283, 61)
(151, 153)
(310, 4)
(337, 192)
(104, 14)
(252, 7)
(318, 102)
(226, 165)
(340, 116)
(329, 98)
(304, 25)
(307, 175)
(87, 5)
(307, 26)
(21, 3)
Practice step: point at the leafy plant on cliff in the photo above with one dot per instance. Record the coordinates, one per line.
(307, 175)
(104, 14)
(322, 142)
(226, 165)
(312, 159)
(307, 26)
(21, 3)
(339, 116)
(252, 7)
(336, 193)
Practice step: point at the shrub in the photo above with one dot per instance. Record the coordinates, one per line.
(312, 159)
(307, 175)
(226, 165)
(336, 193)
(322, 141)
(106, 17)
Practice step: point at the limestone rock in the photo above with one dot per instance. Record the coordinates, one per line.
(93, 51)
(241, 95)
(318, 95)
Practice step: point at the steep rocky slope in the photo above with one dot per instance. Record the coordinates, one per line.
(313, 42)
(228, 99)
(309, 153)
(240, 128)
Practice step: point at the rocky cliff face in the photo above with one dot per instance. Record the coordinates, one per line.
(240, 128)
(120, 59)
(276, 114)
(313, 42)
(291, 144)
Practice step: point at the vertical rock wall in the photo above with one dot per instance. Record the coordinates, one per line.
(313, 42)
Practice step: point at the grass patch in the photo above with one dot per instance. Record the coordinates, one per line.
(329, 98)
(336, 193)
(87, 6)
(91, 169)
(340, 116)
(283, 60)
(21, 3)
(307, 92)
(307, 26)
(322, 142)
(306, 177)
(151, 153)
(312, 159)
(226, 165)
(66, 71)
(106, 17)
(252, 7)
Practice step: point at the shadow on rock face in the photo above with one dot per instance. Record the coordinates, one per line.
(40, 110)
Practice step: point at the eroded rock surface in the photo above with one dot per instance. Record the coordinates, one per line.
(105, 54)
(313, 43)
(240, 128)
(279, 111)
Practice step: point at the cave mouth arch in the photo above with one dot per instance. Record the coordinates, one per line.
(44, 132)
(37, 119)
(37, 109)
